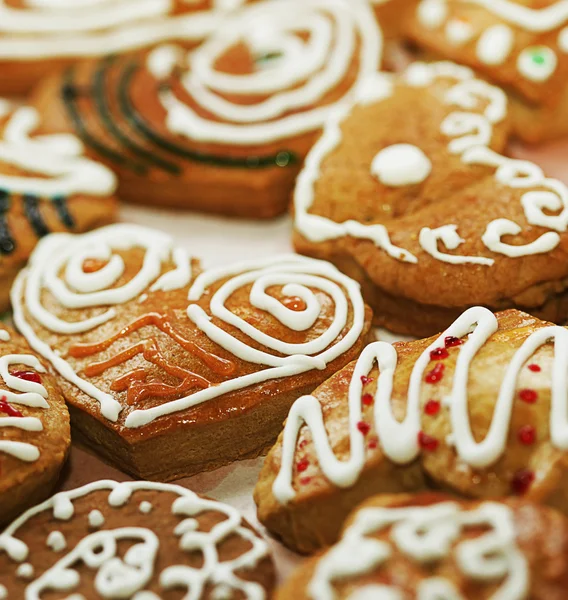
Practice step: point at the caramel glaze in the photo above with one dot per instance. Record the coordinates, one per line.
(136, 382)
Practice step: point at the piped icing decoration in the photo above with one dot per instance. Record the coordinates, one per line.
(402, 441)
(128, 576)
(61, 29)
(495, 44)
(299, 278)
(24, 391)
(537, 63)
(459, 31)
(428, 535)
(400, 165)
(469, 134)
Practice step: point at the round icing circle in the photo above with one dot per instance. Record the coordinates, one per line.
(401, 164)
(537, 63)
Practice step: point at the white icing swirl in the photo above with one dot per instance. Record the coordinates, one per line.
(297, 75)
(399, 439)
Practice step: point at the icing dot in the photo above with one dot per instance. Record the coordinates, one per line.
(527, 435)
(436, 374)
(537, 63)
(495, 45)
(451, 341)
(25, 571)
(302, 465)
(4, 337)
(62, 507)
(400, 165)
(528, 396)
(432, 13)
(56, 541)
(367, 399)
(534, 368)
(96, 519)
(427, 442)
(432, 407)
(522, 481)
(145, 507)
(439, 354)
(3, 592)
(363, 427)
(459, 32)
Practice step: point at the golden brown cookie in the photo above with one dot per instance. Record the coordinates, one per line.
(40, 36)
(46, 184)
(479, 410)
(169, 370)
(521, 45)
(34, 427)
(135, 541)
(223, 129)
(410, 194)
(431, 546)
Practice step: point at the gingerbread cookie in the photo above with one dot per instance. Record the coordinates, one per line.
(39, 36)
(168, 370)
(434, 547)
(225, 128)
(425, 211)
(135, 541)
(479, 410)
(45, 185)
(34, 427)
(520, 45)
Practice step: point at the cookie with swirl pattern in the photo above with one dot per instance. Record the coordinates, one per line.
(46, 185)
(225, 128)
(34, 427)
(425, 210)
(521, 46)
(479, 410)
(39, 36)
(135, 541)
(169, 369)
(433, 546)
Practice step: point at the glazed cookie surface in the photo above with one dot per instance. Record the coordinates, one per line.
(156, 354)
(135, 541)
(431, 546)
(520, 45)
(425, 211)
(226, 127)
(34, 427)
(46, 184)
(38, 36)
(478, 410)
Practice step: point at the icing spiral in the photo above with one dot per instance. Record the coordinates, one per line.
(426, 535)
(399, 440)
(300, 278)
(127, 576)
(478, 106)
(43, 29)
(295, 72)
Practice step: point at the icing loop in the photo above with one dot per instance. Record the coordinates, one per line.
(399, 439)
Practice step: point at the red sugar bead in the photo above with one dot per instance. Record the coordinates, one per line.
(427, 442)
(432, 407)
(527, 435)
(365, 380)
(367, 399)
(528, 396)
(27, 375)
(439, 354)
(363, 427)
(451, 341)
(8, 409)
(522, 481)
(534, 368)
(373, 443)
(303, 443)
(302, 465)
(436, 374)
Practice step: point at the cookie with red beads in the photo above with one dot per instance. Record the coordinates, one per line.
(434, 546)
(225, 128)
(39, 37)
(478, 410)
(170, 370)
(519, 45)
(425, 211)
(46, 184)
(34, 427)
(135, 541)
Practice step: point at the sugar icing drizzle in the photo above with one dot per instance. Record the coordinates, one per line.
(128, 576)
(301, 278)
(53, 28)
(427, 535)
(293, 75)
(478, 107)
(22, 392)
(399, 440)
